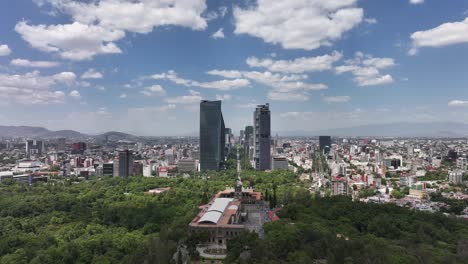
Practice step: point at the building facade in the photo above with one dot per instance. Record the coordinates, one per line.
(212, 136)
(262, 137)
(125, 163)
(325, 144)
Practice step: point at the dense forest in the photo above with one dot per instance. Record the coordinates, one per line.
(337, 230)
(111, 220)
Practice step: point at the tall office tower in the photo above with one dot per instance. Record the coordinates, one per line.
(125, 163)
(241, 137)
(34, 147)
(78, 148)
(248, 141)
(212, 136)
(325, 143)
(61, 144)
(262, 137)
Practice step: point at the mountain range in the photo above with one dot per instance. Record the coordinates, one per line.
(44, 133)
(435, 129)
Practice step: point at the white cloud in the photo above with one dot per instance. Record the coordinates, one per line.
(152, 109)
(366, 69)
(298, 24)
(193, 98)
(219, 84)
(136, 16)
(123, 96)
(371, 20)
(91, 74)
(218, 34)
(299, 65)
(66, 77)
(74, 41)
(285, 96)
(223, 97)
(101, 88)
(416, 2)
(444, 35)
(154, 90)
(225, 73)
(34, 64)
(103, 111)
(336, 99)
(4, 50)
(75, 94)
(458, 103)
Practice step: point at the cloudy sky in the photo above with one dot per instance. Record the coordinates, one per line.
(143, 66)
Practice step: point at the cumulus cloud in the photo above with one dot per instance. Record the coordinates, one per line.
(218, 34)
(366, 69)
(74, 41)
(286, 96)
(458, 103)
(4, 50)
(298, 24)
(218, 85)
(299, 65)
(192, 98)
(416, 2)
(154, 90)
(283, 85)
(336, 99)
(123, 96)
(444, 35)
(91, 74)
(231, 74)
(75, 94)
(371, 20)
(34, 64)
(223, 97)
(135, 16)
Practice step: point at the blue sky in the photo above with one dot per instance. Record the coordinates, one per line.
(142, 66)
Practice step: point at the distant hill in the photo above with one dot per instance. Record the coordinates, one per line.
(22, 131)
(64, 134)
(402, 129)
(40, 132)
(116, 136)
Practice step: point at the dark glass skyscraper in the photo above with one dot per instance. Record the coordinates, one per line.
(125, 163)
(262, 137)
(212, 136)
(248, 141)
(325, 143)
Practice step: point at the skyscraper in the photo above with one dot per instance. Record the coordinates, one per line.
(248, 142)
(125, 163)
(212, 136)
(262, 137)
(34, 147)
(325, 143)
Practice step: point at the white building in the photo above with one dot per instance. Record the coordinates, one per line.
(279, 163)
(461, 163)
(456, 177)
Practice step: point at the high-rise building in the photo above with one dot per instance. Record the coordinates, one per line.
(125, 163)
(262, 137)
(34, 147)
(325, 143)
(248, 142)
(137, 168)
(212, 136)
(78, 147)
(108, 169)
(61, 144)
(241, 137)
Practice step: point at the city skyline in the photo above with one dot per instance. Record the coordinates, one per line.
(65, 65)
